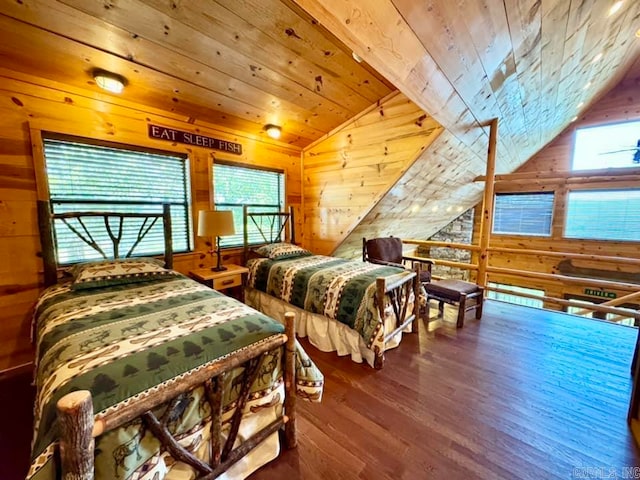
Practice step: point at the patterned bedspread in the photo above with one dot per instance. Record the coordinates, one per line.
(343, 290)
(121, 341)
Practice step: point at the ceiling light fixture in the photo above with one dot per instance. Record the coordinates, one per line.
(638, 33)
(581, 104)
(356, 57)
(586, 86)
(274, 131)
(597, 58)
(615, 7)
(111, 82)
(574, 118)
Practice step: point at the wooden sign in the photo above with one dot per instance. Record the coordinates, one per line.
(599, 293)
(178, 136)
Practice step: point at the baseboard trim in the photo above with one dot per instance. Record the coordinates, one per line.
(15, 371)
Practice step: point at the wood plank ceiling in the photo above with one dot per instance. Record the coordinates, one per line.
(534, 64)
(236, 64)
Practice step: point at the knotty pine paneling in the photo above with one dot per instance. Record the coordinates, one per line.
(30, 102)
(433, 191)
(621, 104)
(346, 173)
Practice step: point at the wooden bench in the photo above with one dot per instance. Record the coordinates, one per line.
(455, 292)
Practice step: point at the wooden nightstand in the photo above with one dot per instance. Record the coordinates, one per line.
(233, 277)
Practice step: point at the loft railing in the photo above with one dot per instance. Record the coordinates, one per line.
(610, 306)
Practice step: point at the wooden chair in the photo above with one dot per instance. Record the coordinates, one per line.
(388, 251)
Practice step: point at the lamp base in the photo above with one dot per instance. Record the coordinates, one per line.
(218, 269)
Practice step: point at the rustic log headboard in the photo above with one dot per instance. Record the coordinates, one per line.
(271, 226)
(46, 221)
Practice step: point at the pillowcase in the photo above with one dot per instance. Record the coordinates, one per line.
(279, 251)
(117, 272)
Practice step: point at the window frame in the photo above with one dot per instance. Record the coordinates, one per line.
(227, 205)
(516, 193)
(39, 135)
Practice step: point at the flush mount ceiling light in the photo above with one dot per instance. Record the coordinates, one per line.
(111, 82)
(274, 131)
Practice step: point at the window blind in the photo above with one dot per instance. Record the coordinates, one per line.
(523, 213)
(235, 186)
(86, 177)
(603, 215)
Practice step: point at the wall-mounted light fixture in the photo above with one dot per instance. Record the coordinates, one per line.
(111, 82)
(274, 131)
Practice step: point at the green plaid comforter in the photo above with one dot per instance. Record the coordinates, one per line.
(119, 342)
(343, 290)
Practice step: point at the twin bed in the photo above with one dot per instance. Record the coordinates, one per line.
(142, 373)
(350, 307)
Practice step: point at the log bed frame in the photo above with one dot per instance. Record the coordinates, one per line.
(78, 425)
(279, 226)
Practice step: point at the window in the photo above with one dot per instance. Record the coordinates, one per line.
(603, 215)
(235, 186)
(607, 146)
(515, 298)
(87, 177)
(523, 213)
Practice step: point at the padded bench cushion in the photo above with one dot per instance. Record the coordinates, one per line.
(451, 289)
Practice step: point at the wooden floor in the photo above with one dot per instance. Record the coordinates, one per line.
(523, 393)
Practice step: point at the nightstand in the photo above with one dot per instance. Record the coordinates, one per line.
(233, 277)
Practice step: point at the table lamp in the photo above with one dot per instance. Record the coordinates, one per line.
(216, 223)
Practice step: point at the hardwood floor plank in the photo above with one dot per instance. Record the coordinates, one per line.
(521, 394)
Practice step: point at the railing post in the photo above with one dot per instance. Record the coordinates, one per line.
(486, 224)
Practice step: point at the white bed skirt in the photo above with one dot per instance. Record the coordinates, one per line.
(324, 333)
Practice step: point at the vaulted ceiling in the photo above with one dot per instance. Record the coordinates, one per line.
(534, 64)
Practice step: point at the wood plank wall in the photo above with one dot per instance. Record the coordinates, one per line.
(30, 102)
(620, 104)
(347, 172)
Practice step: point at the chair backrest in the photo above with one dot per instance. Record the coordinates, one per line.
(386, 249)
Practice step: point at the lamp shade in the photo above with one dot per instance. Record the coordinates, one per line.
(215, 223)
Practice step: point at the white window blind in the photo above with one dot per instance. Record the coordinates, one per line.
(235, 186)
(86, 177)
(523, 213)
(603, 215)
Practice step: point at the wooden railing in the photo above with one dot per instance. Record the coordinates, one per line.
(610, 306)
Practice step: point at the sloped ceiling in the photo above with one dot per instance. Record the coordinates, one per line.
(534, 65)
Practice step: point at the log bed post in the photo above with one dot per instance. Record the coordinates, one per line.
(168, 240)
(75, 419)
(45, 225)
(290, 433)
(416, 298)
(381, 290)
